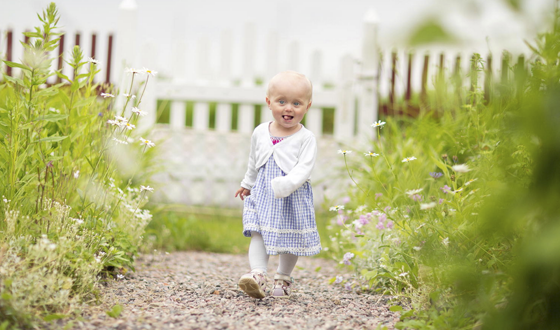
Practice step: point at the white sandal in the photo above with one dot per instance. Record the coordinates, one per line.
(253, 284)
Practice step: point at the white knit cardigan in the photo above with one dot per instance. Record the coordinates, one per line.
(295, 155)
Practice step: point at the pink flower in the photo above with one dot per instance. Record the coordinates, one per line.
(382, 217)
(416, 197)
(380, 226)
(446, 189)
(387, 209)
(378, 195)
(441, 200)
(363, 220)
(345, 200)
(390, 225)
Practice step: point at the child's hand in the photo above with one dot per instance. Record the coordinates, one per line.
(242, 192)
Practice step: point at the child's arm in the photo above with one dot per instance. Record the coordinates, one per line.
(285, 185)
(251, 174)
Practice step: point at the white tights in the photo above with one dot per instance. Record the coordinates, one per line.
(258, 259)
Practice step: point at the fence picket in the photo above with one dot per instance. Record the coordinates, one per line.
(246, 118)
(223, 117)
(201, 116)
(177, 115)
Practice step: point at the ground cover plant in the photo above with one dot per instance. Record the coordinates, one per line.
(71, 166)
(455, 212)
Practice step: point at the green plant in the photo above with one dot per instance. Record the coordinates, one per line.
(70, 210)
(454, 212)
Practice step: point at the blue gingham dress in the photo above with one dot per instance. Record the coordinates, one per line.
(287, 224)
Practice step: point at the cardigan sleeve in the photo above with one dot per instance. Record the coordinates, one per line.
(283, 186)
(251, 174)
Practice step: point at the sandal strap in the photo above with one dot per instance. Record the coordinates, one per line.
(284, 278)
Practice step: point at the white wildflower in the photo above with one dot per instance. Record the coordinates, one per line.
(149, 72)
(445, 241)
(344, 152)
(371, 154)
(132, 70)
(337, 207)
(129, 96)
(408, 159)
(139, 112)
(77, 174)
(417, 248)
(93, 61)
(129, 126)
(119, 141)
(425, 206)
(106, 95)
(147, 142)
(462, 168)
(404, 274)
(148, 188)
(379, 123)
(414, 191)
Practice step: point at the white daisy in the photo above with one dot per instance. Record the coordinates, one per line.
(147, 142)
(408, 159)
(106, 95)
(414, 191)
(378, 124)
(462, 168)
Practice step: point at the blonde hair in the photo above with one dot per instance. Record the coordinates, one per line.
(293, 75)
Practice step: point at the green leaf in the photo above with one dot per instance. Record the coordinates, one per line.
(90, 163)
(395, 308)
(54, 316)
(318, 269)
(52, 139)
(6, 296)
(52, 117)
(17, 65)
(115, 312)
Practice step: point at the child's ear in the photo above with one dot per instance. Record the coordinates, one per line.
(268, 101)
(309, 105)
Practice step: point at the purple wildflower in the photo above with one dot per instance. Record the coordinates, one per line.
(416, 197)
(382, 217)
(387, 209)
(380, 226)
(339, 279)
(345, 200)
(363, 220)
(436, 175)
(446, 189)
(348, 286)
(390, 224)
(50, 164)
(347, 257)
(441, 200)
(378, 195)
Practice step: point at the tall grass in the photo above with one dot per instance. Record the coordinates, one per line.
(69, 170)
(456, 211)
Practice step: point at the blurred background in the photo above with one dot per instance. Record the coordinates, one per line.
(334, 27)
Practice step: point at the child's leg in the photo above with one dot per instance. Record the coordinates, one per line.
(258, 259)
(287, 264)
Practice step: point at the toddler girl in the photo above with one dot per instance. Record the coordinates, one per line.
(278, 211)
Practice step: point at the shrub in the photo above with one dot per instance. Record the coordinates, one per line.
(69, 210)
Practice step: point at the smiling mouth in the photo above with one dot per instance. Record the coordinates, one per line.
(288, 117)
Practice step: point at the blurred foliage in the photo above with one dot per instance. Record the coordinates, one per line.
(456, 211)
(71, 213)
(430, 31)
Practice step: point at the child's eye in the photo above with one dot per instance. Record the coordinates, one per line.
(281, 102)
(296, 103)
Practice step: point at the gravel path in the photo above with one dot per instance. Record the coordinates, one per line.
(198, 290)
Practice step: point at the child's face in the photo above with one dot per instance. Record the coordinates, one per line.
(289, 101)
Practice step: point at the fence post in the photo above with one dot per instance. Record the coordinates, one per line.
(368, 106)
(178, 115)
(223, 117)
(249, 50)
(271, 56)
(226, 49)
(293, 55)
(344, 115)
(126, 40)
(246, 118)
(201, 116)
